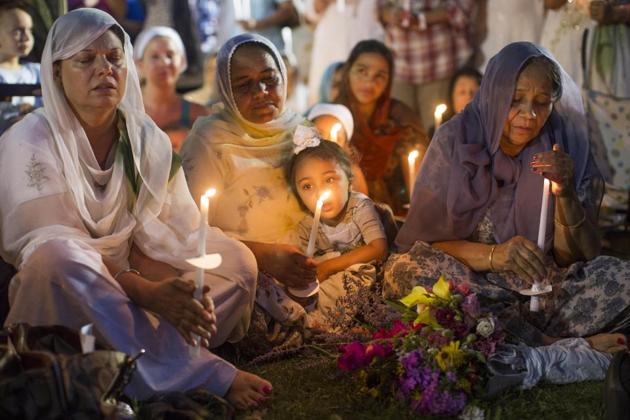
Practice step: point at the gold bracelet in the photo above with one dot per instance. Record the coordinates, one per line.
(126, 270)
(490, 257)
(573, 226)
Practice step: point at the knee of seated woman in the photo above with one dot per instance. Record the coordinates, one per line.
(239, 262)
(59, 256)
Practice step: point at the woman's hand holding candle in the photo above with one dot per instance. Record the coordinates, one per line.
(558, 167)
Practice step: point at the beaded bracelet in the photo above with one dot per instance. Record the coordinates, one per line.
(490, 257)
(126, 270)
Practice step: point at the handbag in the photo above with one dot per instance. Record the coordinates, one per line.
(44, 375)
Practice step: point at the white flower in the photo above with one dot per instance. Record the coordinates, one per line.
(472, 412)
(305, 137)
(485, 327)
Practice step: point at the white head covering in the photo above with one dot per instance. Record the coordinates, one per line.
(341, 112)
(148, 34)
(65, 193)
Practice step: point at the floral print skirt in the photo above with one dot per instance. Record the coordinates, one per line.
(279, 321)
(587, 297)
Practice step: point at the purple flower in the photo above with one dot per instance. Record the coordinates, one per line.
(445, 317)
(487, 347)
(411, 360)
(436, 339)
(461, 330)
(471, 306)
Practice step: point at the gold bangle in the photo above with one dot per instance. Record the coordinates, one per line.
(490, 257)
(573, 226)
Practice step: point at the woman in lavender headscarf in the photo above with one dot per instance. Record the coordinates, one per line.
(475, 210)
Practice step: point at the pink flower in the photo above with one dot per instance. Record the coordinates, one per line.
(463, 288)
(377, 350)
(398, 328)
(353, 357)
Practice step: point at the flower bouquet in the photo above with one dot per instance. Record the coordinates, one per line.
(434, 356)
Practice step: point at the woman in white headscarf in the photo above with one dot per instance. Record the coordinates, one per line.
(241, 150)
(98, 221)
(160, 56)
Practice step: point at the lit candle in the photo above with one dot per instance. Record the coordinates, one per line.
(411, 160)
(437, 115)
(534, 303)
(201, 250)
(238, 9)
(407, 11)
(203, 232)
(310, 250)
(341, 5)
(247, 12)
(334, 132)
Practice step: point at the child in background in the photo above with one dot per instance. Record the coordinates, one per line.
(350, 231)
(16, 41)
(334, 122)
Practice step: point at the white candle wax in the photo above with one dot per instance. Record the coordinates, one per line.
(202, 234)
(534, 303)
(310, 249)
(334, 132)
(238, 9)
(411, 160)
(247, 11)
(437, 115)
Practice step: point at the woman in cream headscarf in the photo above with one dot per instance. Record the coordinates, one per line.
(98, 221)
(241, 150)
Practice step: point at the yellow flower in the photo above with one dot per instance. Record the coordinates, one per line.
(418, 296)
(425, 317)
(450, 356)
(441, 289)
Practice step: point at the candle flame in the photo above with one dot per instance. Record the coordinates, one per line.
(439, 110)
(334, 131)
(210, 193)
(324, 196)
(413, 155)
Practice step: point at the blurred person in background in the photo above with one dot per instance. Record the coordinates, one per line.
(160, 57)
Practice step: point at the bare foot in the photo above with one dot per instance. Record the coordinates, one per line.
(248, 390)
(608, 343)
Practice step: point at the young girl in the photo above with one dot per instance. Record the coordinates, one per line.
(350, 231)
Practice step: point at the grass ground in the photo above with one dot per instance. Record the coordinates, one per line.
(312, 388)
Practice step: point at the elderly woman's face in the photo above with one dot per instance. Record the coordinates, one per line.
(94, 79)
(256, 84)
(531, 106)
(369, 77)
(161, 63)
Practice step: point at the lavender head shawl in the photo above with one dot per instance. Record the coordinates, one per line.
(465, 173)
